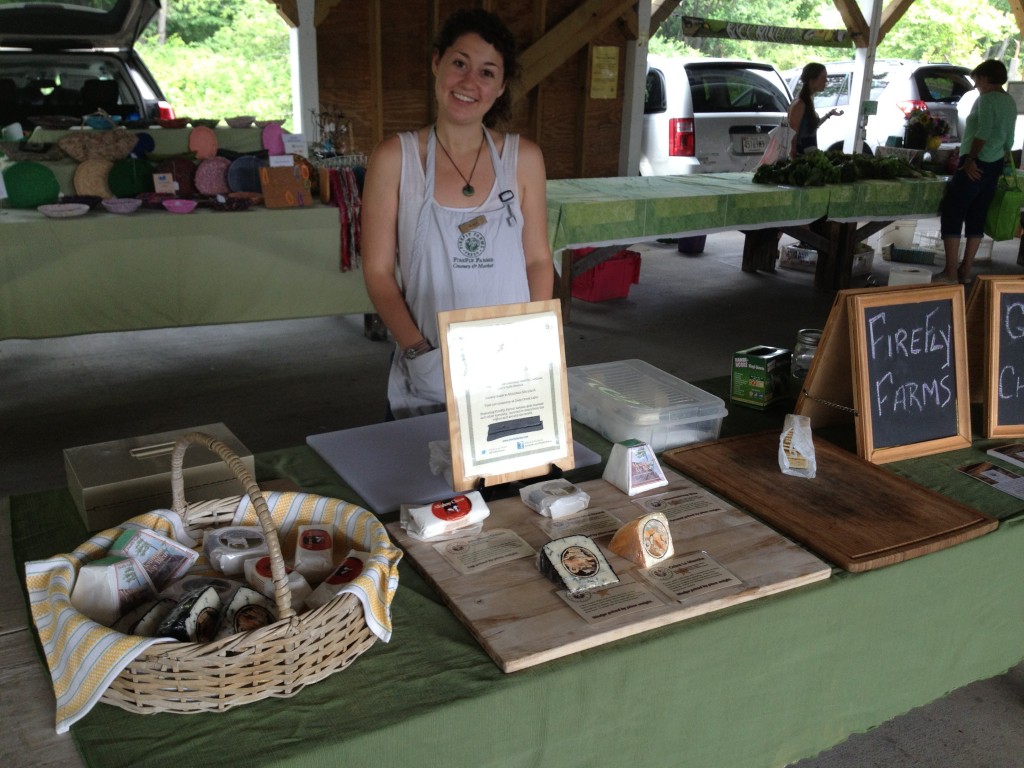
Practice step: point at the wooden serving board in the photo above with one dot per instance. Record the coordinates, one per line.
(520, 620)
(853, 513)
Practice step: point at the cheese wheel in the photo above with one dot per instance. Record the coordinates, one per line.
(646, 541)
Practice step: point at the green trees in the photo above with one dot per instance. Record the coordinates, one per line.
(222, 58)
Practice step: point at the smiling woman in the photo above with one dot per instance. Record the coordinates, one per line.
(457, 208)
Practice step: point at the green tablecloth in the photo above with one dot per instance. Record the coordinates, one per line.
(761, 684)
(153, 269)
(637, 209)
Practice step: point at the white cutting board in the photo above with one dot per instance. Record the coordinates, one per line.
(388, 464)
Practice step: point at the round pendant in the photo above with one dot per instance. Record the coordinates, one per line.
(468, 190)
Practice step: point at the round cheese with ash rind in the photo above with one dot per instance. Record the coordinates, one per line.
(575, 563)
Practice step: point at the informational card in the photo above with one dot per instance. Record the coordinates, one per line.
(683, 503)
(281, 161)
(485, 551)
(690, 575)
(295, 144)
(1000, 478)
(616, 601)
(164, 184)
(589, 522)
(507, 391)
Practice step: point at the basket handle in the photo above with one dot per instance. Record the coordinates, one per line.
(282, 594)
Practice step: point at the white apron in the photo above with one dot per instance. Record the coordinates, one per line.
(460, 258)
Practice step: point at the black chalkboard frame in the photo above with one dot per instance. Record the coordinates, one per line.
(960, 435)
(998, 422)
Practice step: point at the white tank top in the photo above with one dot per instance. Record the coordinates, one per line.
(452, 258)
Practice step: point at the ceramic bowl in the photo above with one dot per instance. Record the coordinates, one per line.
(240, 121)
(122, 204)
(212, 122)
(177, 122)
(178, 205)
(265, 123)
(63, 210)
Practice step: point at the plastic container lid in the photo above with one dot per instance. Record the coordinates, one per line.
(641, 394)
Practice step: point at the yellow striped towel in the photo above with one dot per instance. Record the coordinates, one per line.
(84, 657)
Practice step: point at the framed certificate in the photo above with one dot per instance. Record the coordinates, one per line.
(508, 396)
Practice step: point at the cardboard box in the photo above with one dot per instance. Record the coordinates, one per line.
(760, 375)
(806, 259)
(111, 482)
(900, 275)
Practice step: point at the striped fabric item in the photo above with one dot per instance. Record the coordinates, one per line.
(84, 657)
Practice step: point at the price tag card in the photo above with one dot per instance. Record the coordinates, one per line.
(295, 144)
(617, 601)
(485, 551)
(589, 522)
(683, 503)
(690, 575)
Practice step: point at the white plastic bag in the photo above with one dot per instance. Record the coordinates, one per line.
(779, 140)
(796, 447)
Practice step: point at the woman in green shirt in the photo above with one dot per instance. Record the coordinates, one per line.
(987, 138)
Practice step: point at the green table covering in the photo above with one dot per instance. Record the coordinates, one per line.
(154, 269)
(761, 684)
(637, 209)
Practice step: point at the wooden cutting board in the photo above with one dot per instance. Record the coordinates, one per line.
(853, 513)
(519, 619)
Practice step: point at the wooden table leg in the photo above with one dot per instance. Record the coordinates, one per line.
(760, 249)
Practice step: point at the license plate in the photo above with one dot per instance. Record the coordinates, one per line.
(751, 144)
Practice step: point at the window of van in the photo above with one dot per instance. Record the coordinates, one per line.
(655, 97)
(724, 88)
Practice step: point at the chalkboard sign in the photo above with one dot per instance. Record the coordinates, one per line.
(1003, 391)
(911, 394)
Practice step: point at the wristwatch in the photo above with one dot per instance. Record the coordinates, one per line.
(421, 347)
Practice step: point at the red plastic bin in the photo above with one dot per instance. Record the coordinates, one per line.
(610, 279)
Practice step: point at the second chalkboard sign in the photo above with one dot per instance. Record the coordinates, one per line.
(911, 391)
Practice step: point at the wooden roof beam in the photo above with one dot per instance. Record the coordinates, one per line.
(855, 22)
(564, 39)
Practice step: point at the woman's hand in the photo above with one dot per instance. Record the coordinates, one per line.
(831, 113)
(971, 169)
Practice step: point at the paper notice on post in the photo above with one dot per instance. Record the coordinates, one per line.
(616, 601)
(690, 575)
(485, 551)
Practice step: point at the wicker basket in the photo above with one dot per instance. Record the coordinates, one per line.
(277, 660)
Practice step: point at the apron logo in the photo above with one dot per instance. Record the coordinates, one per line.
(472, 244)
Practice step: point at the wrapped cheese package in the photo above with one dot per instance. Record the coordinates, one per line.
(434, 520)
(646, 541)
(575, 563)
(350, 567)
(259, 577)
(107, 588)
(314, 552)
(554, 498)
(145, 620)
(247, 609)
(195, 617)
(227, 549)
(164, 559)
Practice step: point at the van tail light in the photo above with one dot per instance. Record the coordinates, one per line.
(680, 137)
(165, 110)
(906, 107)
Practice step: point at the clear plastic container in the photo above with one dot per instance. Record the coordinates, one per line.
(631, 399)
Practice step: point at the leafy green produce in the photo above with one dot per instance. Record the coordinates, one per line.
(834, 167)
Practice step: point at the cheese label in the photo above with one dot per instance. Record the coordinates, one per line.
(344, 573)
(579, 561)
(263, 568)
(451, 509)
(656, 538)
(315, 539)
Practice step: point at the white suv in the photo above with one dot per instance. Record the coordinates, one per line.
(898, 86)
(708, 115)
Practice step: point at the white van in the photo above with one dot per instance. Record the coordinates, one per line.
(708, 115)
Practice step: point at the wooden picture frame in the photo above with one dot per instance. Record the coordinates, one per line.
(507, 392)
(995, 329)
(910, 381)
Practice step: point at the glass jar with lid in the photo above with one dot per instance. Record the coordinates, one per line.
(803, 353)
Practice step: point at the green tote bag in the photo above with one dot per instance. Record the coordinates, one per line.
(1003, 216)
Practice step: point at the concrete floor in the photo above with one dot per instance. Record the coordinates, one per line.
(275, 383)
